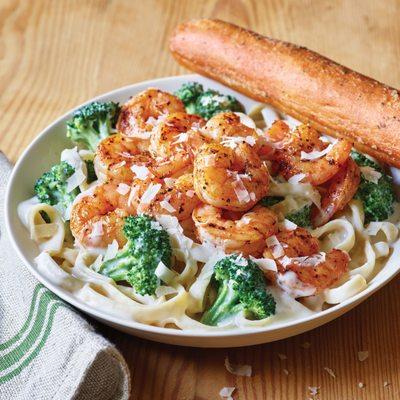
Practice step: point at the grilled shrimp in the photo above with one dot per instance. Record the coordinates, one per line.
(152, 196)
(290, 154)
(337, 192)
(228, 125)
(97, 217)
(179, 200)
(117, 155)
(233, 179)
(301, 255)
(178, 133)
(233, 231)
(139, 115)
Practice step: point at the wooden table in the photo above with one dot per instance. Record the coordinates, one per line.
(55, 54)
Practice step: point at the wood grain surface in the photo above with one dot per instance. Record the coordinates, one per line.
(55, 54)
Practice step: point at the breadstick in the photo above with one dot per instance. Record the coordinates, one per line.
(309, 87)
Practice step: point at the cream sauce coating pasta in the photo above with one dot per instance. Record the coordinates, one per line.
(181, 298)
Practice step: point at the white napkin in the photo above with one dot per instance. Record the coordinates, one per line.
(47, 350)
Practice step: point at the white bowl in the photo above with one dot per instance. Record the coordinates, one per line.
(45, 150)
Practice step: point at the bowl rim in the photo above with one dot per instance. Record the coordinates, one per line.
(372, 287)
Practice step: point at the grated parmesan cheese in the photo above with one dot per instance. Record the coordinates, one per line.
(123, 189)
(150, 193)
(166, 205)
(274, 244)
(241, 192)
(265, 264)
(226, 392)
(97, 229)
(181, 138)
(141, 172)
(370, 174)
(306, 261)
(118, 165)
(246, 120)
(297, 178)
(313, 390)
(314, 155)
(288, 225)
(111, 251)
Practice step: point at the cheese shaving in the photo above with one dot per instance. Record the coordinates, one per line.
(97, 229)
(265, 264)
(141, 172)
(306, 261)
(226, 392)
(241, 192)
(111, 251)
(313, 155)
(370, 174)
(275, 246)
(181, 138)
(233, 141)
(118, 165)
(190, 193)
(246, 120)
(297, 178)
(313, 390)
(123, 189)
(238, 369)
(132, 194)
(288, 225)
(150, 193)
(166, 205)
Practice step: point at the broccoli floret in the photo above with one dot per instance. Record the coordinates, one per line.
(269, 201)
(91, 173)
(51, 187)
(147, 245)
(212, 102)
(206, 103)
(241, 287)
(188, 93)
(377, 198)
(301, 217)
(92, 123)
